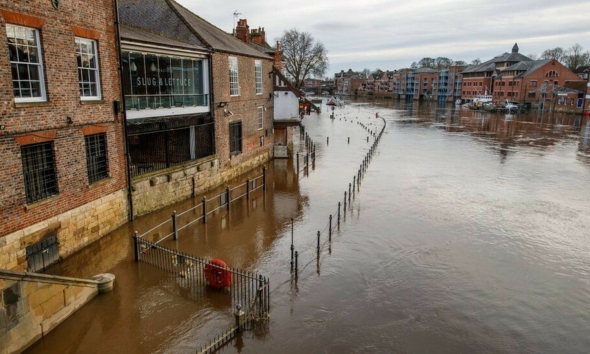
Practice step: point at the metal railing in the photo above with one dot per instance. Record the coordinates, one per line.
(179, 221)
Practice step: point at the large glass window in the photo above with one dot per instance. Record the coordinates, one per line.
(258, 72)
(39, 171)
(96, 157)
(26, 63)
(235, 138)
(153, 81)
(234, 84)
(88, 71)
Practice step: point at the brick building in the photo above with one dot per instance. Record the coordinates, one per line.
(61, 137)
(213, 128)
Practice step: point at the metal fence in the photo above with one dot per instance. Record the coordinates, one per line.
(199, 213)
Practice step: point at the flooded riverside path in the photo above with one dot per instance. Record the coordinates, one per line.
(470, 233)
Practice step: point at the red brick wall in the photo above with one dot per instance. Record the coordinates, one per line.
(63, 100)
(244, 107)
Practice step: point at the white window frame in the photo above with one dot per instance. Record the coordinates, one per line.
(11, 29)
(260, 117)
(234, 78)
(94, 47)
(258, 76)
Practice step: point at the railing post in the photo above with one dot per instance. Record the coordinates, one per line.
(174, 227)
(204, 210)
(367, 139)
(136, 245)
(349, 192)
(292, 247)
(330, 228)
(248, 188)
(296, 263)
(264, 178)
(354, 183)
(318, 243)
(349, 140)
(338, 213)
(344, 201)
(239, 315)
(327, 140)
(259, 293)
(227, 196)
(297, 162)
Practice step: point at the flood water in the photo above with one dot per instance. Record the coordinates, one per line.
(470, 233)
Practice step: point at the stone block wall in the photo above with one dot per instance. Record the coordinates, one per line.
(174, 185)
(34, 304)
(74, 229)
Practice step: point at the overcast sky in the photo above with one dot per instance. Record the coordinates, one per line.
(392, 34)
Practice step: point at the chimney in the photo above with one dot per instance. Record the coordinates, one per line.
(242, 31)
(278, 57)
(258, 36)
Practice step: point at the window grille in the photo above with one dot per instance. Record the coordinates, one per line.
(88, 71)
(235, 138)
(258, 72)
(25, 63)
(96, 157)
(39, 171)
(234, 87)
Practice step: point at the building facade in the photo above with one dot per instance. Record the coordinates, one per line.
(61, 132)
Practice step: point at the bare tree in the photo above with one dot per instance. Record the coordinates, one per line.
(459, 62)
(366, 72)
(476, 61)
(414, 65)
(442, 63)
(556, 53)
(575, 57)
(303, 56)
(533, 56)
(427, 63)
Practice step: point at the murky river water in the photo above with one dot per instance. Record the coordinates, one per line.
(470, 233)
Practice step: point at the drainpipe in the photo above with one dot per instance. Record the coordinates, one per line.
(131, 217)
(212, 97)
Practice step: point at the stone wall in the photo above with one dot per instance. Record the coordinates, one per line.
(74, 229)
(34, 304)
(153, 192)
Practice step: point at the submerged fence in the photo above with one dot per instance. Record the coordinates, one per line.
(199, 213)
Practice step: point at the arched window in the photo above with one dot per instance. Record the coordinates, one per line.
(552, 73)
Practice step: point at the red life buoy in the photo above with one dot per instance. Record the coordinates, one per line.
(217, 274)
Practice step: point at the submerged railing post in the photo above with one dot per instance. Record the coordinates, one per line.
(263, 178)
(297, 162)
(296, 263)
(344, 201)
(227, 196)
(136, 245)
(318, 243)
(354, 183)
(239, 315)
(330, 228)
(248, 188)
(339, 212)
(292, 247)
(349, 192)
(174, 227)
(204, 210)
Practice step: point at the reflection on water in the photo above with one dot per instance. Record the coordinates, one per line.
(469, 234)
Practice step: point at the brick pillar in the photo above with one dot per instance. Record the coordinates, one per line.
(242, 32)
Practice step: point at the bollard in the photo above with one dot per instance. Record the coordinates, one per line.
(174, 228)
(263, 179)
(227, 190)
(136, 245)
(318, 243)
(248, 188)
(204, 210)
(330, 228)
(296, 267)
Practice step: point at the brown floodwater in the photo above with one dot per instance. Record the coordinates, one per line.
(470, 233)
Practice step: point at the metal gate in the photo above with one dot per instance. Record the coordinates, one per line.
(42, 254)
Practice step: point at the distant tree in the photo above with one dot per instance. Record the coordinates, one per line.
(575, 57)
(556, 53)
(303, 56)
(366, 72)
(427, 63)
(533, 56)
(459, 62)
(476, 61)
(442, 63)
(414, 65)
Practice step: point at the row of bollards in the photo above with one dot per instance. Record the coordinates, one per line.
(352, 189)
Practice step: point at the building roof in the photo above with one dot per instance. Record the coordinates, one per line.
(582, 69)
(170, 19)
(425, 71)
(533, 65)
(490, 65)
(140, 35)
